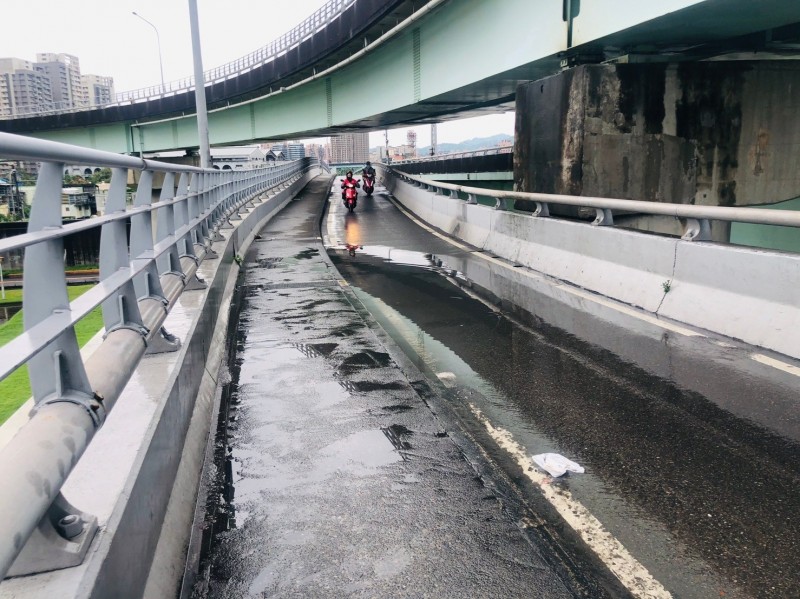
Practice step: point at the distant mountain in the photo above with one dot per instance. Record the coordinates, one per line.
(470, 145)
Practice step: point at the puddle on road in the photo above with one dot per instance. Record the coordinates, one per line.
(360, 453)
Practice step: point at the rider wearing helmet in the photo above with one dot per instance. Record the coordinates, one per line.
(368, 170)
(349, 180)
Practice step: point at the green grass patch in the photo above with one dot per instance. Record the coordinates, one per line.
(73, 268)
(13, 296)
(16, 389)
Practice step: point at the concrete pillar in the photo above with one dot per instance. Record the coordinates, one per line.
(721, 133)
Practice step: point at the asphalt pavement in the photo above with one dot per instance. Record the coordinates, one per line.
(336, 477)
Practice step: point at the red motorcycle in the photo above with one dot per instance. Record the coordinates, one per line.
(368, 184)
(350, 194)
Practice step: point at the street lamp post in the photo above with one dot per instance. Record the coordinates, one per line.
(158, 40)
(199, 87)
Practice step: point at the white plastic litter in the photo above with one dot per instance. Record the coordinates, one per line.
(556, 464)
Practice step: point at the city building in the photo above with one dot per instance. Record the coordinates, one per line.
(53, 82)
(78, 202)
(288, 150)
(295, 151)
(23, 88)
(64, 72)
(237, 157)
(350, 147)
(318, 151)
(100, 89)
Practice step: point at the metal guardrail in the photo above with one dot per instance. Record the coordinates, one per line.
(320, 19)
(456, 155)
(140, 280)
(697, 219)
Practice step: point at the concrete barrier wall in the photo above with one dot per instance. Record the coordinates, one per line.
(743, 293)
(127, 477)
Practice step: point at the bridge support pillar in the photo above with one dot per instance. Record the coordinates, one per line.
(705, 133)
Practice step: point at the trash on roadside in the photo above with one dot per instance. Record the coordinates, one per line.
(448, 379)
(556, 464)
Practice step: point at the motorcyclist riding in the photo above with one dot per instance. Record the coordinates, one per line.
(347, 181)
(368, 170)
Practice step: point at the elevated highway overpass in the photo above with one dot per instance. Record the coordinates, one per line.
(619, 331)
(134, 488)
(386, 64)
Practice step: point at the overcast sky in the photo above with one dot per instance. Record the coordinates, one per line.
(109, 40)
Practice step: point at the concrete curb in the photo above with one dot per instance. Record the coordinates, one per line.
(743, 293)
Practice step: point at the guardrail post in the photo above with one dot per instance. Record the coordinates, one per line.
(603, 217)
(542, 209)
(169, 261)
(205, 209)
(58, 379)
(197, 235)
(697, 229)
(121, 310)
(185, 243)
(500, 204)
(472, 198)
(146, 284)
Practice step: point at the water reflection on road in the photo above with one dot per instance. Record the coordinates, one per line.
(700, 486)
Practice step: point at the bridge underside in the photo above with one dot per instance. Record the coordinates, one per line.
(462, 59)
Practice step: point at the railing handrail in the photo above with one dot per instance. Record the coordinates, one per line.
(758, 216)
(452, 156)
(320, 18)
(145, 265)
(34, 149)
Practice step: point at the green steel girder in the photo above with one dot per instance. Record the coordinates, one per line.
(463, 58)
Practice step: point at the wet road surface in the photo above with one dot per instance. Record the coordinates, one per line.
(690, 445)
(335, 478)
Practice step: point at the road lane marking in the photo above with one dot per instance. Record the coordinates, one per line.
(783, 366)
(633, 575)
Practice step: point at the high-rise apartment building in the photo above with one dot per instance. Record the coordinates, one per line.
(23, 88)
(53, 82)
(350, 147)
(64, 71)
(100, 89)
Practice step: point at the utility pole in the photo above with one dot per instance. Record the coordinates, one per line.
(199, 88)
(433, 139)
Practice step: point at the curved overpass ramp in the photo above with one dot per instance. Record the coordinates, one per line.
(446, 59)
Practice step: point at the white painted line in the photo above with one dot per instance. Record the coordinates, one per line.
(633, 575)
(567, 288)
(788, 368)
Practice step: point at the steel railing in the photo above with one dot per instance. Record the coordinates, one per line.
(696, 219)
(149, 254)
(288, 41)
(456, 155)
